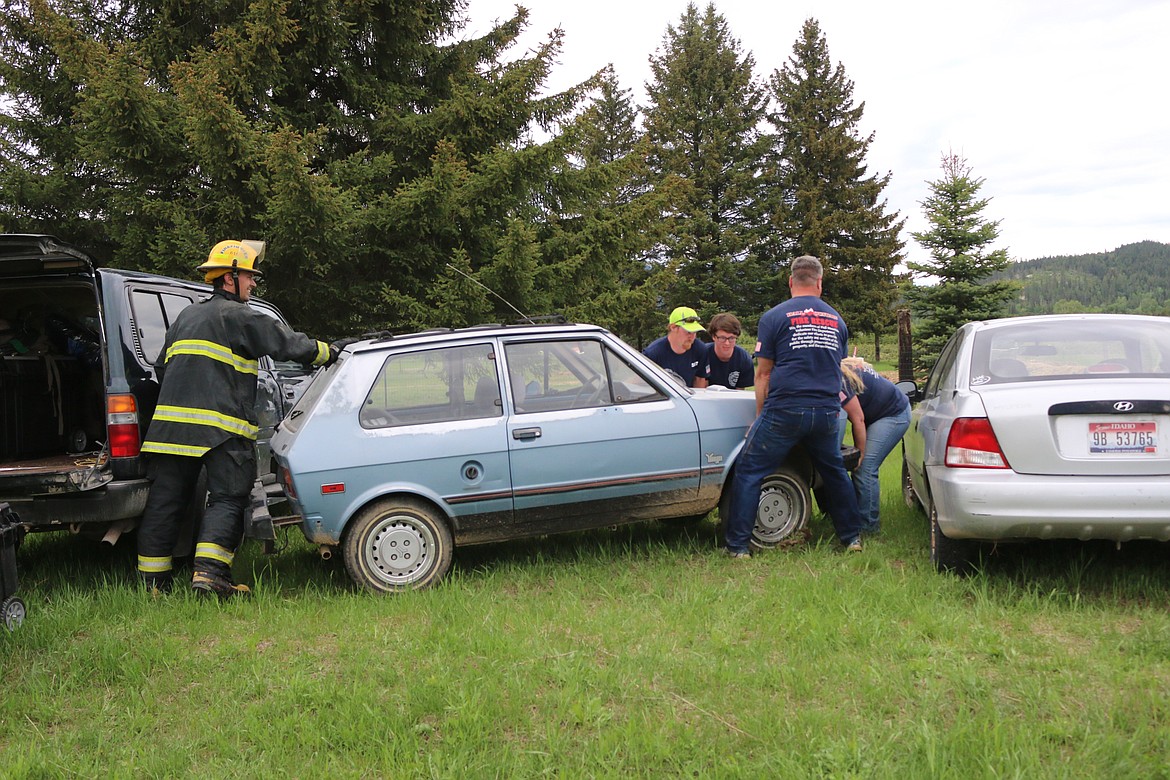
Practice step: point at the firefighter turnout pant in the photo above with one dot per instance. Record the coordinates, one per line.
(231, 472)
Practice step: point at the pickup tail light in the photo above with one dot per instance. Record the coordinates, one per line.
(122, 425)
(972, 445)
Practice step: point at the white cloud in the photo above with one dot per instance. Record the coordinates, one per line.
(1059, 105)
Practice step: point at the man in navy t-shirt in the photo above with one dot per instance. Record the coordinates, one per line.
(677, 350)
(798, 385)
(727, 363)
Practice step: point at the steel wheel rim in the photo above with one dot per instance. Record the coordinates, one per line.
(399, 549)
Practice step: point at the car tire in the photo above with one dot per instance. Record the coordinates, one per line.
(397, 544)
(12, 613)
(783, 513)
(908, 494)
(949, 555)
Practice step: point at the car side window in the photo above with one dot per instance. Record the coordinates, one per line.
(432, 386)
(941, 367)
(550, 376)
(153, 313)
(628, 385)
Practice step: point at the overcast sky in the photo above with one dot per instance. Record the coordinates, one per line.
(1060, 105)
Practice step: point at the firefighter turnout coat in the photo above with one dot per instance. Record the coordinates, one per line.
(209, 372)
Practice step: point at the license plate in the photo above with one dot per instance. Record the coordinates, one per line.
(1113, 437)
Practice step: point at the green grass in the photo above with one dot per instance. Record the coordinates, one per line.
(636, 651)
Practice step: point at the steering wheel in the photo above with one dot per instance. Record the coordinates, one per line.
(589, 394)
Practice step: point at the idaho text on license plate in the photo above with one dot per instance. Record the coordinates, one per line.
(1108, 437)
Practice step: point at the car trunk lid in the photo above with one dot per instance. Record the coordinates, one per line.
(1081, 428)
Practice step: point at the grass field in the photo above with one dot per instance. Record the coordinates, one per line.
(629, 652)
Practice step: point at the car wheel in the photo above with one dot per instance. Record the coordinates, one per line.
(12, 613)
(398, 544)
(784, 511)
(953, 555)
(908, 494)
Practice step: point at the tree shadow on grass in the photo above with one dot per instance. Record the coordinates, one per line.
(48, 563)
(637, 541)
(53, 561)
(1093, 571)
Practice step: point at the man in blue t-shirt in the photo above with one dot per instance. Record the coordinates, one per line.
(677, 350)
(798, 385)
(727, 363)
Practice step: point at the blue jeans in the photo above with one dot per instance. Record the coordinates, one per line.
(881, 437)
(771, 437)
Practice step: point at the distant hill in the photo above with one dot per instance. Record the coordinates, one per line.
(1132, 279)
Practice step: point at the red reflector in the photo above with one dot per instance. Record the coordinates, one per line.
(124, 441)
(336, 487)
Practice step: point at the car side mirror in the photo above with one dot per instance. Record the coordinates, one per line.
(910, 389)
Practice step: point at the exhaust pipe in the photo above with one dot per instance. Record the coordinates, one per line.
(325, 551)
(116, 530)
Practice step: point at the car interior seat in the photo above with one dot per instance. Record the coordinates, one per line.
(487, 397)
(1008, 368)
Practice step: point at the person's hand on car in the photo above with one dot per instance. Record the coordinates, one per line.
(336, 347)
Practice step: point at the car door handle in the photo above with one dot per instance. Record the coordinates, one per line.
(525, 434)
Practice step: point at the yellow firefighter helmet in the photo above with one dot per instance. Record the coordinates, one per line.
(232, 255)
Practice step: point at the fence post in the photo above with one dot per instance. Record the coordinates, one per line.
(905, 347)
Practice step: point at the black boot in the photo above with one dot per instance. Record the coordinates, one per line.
(156, 584)
(207, 583)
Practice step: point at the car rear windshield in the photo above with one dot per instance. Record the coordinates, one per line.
(1072, 349)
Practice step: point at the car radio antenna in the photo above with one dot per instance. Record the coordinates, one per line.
(471, 278)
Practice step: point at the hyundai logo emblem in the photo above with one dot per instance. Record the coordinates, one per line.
(1123, 406)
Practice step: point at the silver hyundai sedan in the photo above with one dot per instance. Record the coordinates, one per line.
(1049, 427)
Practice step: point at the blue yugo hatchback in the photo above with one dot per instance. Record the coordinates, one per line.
(412, 445)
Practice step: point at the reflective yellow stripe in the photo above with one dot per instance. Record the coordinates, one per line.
(214, 552)
(209, 349)
(163, 448)
(322, 354)
(151, 565)
(192, 416)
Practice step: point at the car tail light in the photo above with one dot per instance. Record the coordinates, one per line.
(286, 481)
(972, 445)
(122, 426)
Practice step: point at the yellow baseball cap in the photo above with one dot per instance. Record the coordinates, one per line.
(686, 318)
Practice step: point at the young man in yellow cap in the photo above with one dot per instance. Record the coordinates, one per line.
(678, 351)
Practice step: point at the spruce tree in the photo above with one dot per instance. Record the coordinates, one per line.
(705, 145)
(367, 143)
(609, 220)
(961, 261)
(822, 201)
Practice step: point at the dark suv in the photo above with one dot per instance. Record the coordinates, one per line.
(77, 382)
